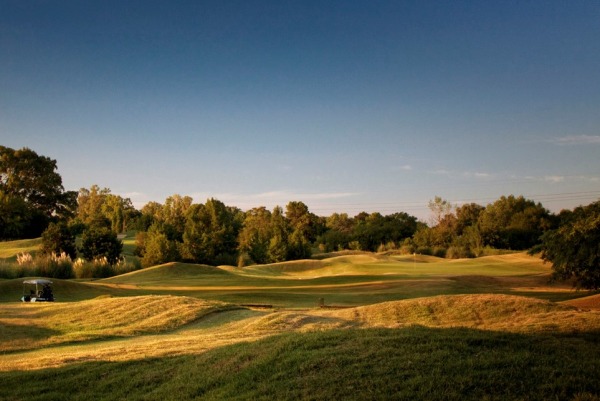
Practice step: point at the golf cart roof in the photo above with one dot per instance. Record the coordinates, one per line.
(39, 281)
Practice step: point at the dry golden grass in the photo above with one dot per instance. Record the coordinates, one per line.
(26, 326)
(212, 331)
(487, 312)
(591, 302)
(136, 328)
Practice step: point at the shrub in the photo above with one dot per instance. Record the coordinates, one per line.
(424, 250)
(100, 268)
(58, 239)
(97, 243)
(24, 259)
(7, 270)
(458, 252)
(126, 265)
(58, 266)
(54, 266)
(83, 269)
(244, 260)
(439, 252)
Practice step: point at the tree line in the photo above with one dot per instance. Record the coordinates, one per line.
(34, 203)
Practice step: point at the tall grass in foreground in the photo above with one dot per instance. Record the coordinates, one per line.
(63, 267)
(409, 364)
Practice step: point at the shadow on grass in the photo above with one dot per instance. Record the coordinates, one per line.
(14, 337)
(414, 363)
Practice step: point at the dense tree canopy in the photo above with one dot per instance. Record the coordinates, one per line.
(574, 247)
(31, 193)
(99, 242)
(32, 197)
(514, 223)
(210, 233)
(58, 238)
(100, 208)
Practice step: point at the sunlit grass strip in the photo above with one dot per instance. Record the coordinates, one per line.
(30, 326)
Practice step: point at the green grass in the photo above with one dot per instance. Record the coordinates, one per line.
(414, 363)
(129, 244)
(467, 347)
(349, 280)
(35, 326)
(10, 249)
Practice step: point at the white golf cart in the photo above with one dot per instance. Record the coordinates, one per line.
(42, 292)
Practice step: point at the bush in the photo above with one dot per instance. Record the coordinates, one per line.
(100, 268)
(458, 252)
(424, 250)
(126, 266)
(53, 266)
(7, 270)
(244, 260)
(98, 243)
(439, 252)
(58, 239)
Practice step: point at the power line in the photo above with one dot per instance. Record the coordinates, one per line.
(406, 206)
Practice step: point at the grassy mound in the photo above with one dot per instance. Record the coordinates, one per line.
(170, 273)
(284, 268)
(484, 311)
(591, 302)
(35, 325)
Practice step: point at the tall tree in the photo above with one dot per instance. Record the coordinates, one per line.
(98, 242)
(255, 236)
(278, 244)
(574, 247)
(303, 230)
(173, 216)
(514, 223)
(158, 248)
(338, 233)
(100, 208)
(440, 208)
(57, 238)
(15, 217)
(90, 206)
(467, 215)
(210, 234)
(30, 179)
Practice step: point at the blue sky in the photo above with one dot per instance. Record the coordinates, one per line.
(344, 105)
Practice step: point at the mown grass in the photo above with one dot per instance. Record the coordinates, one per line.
(344, 281)
(414, 363)
(137, 320)
(467, 347)
(10, 249)
(30, 326)
(402, 341)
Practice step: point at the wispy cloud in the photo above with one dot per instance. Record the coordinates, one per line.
(138, 199)
(270, 199)
(554, 178)
(462, 174)
(291, 195)
(578, 140)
